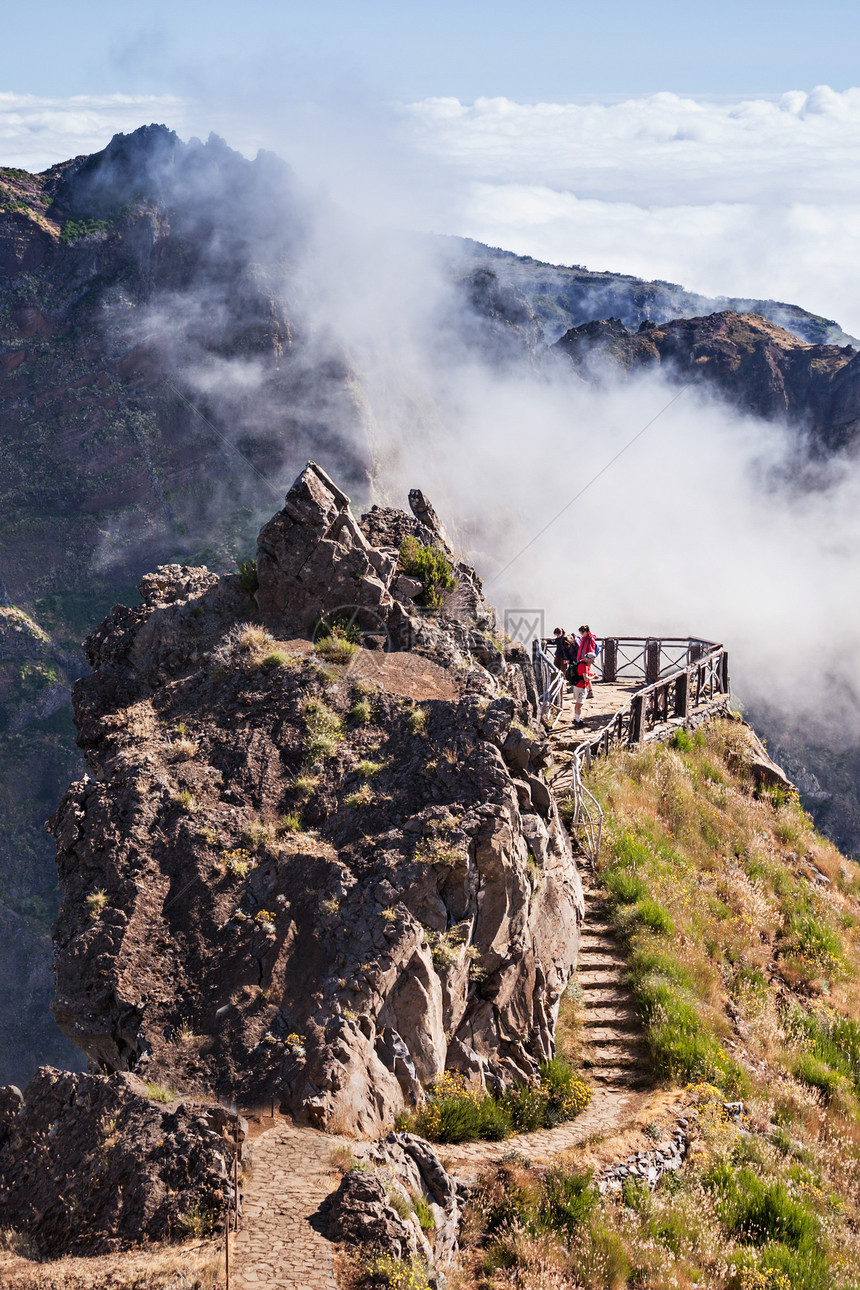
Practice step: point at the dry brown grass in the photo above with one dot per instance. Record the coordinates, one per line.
(166, 1267)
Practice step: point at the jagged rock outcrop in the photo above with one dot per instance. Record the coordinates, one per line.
(90, 1164)
(374, 1206)
(296, 878)
(756, 363)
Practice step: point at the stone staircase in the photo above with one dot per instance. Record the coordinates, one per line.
(614, 1051)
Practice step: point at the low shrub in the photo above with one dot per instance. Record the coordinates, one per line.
(324, 730)
(248, 580)
(398, 1274)
(429, 566)
(459, 1111)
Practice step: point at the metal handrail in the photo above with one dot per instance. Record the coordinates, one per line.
(550, 683)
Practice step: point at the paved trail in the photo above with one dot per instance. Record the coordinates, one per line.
(280, 1245)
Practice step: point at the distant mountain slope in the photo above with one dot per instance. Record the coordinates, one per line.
(565, 296)
(755, 363)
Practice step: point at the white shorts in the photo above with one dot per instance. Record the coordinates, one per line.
(580, 694)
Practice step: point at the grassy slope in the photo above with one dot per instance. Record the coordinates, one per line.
(746, 965)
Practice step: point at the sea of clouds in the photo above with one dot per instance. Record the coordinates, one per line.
(754, 197)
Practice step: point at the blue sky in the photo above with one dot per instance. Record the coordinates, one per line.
(551, 50)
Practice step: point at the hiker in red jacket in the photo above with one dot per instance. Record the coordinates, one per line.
(586, 653)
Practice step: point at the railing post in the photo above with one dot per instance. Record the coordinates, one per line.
(637, 718)
(652, 661)
(695, 650)
(724, 673)
(682, 695)
(609, 655)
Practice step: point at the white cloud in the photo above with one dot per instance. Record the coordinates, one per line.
(37, 132)
(757, 197)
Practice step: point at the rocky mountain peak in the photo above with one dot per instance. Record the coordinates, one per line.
(315, 859)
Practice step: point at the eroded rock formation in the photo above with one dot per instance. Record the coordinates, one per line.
(92, 1163)
(756, 363)
(296, 878)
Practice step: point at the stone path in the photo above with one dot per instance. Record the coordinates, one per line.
(614, 1051)
(280, 1246)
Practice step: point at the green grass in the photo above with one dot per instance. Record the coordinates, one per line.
(324, 730)
(368, 769)
(430, 566)
(416, 721)
(361, 712)
(159, 1093)
(335, 649)
(457, 1111)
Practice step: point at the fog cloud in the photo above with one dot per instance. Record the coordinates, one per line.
(753, 198)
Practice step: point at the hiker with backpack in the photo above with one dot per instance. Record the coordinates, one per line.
(565, 649)
(580, 671)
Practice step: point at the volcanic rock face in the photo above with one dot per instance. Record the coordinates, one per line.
(314, 880)
(758, 364)
(90, 1164)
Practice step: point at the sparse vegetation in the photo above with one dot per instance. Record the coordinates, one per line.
(186, 800)
(361, 797)
(277, 658)
(244, 646)
(416, 720)
(200, 1222)
(361, 712)
(430, 566)
(324, 730)
(303, 786)
(248, 579)
(159, 1093)
(258, 835)
(367, 769)
(335, 648)
(97, 902)
(239, 862)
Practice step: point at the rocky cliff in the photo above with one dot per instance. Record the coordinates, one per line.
(758, 365)
(324, 872)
